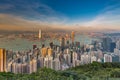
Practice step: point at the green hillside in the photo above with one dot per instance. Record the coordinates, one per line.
(94, 71)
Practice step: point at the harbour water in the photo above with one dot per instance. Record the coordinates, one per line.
(19, 44)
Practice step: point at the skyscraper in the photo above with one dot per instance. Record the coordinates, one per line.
(50, 52)
(51, 44)
(44, 52)
(73, 36)
(118, 44)
(106, 43)
(2, 60)
(40, 34)
(56, 64)
(112, 46)
(107, 58)
(62, 43)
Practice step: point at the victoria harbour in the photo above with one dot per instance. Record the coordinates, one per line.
(19, 44)
(59, 39)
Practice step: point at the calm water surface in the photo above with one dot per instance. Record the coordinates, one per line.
(24, 44)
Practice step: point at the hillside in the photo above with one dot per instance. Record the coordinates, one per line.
(94, 71)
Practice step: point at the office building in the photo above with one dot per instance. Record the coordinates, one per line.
(72, 36)
(112, 46)
(2, 60)
(118, 44)
(50, 52)
(106, 44)
(115, 58)
(40, 34)
(44, 52)
(62, 42)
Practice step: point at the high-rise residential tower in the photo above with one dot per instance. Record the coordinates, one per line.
(2, 60)
(73, 36)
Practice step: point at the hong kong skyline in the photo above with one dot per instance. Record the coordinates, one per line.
(59, 14)
(59, 39)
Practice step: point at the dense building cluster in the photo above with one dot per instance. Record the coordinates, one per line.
(59, 57)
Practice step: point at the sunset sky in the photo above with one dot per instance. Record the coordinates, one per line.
(24, 14)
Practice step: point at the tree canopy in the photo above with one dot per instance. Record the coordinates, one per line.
(91, 71)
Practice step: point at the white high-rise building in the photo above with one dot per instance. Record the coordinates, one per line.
(50, 62)
(46, 62)
(116, 51)
(56, 64)
(74, 55)
(41, 62)
(34, 65)
(85, 59)
(18, 68)
(74, 59)
(24, 67)
(107, 58)
(67, 58)
(118, 44)
(77, 62)
(93, 58)
(14, 67)
(64, 67)
(29, 67)
(9, 67)
(99, 60)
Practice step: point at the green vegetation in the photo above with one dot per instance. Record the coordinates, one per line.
(98, 70)
(94, 71)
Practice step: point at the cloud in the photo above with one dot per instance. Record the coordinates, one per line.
(27, 15)
(32, 10)
(108, 18)
(11, 22)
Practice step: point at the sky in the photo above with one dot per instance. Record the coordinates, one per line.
(29, 14)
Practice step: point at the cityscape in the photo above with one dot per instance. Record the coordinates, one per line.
(59, 40)
(69, 53)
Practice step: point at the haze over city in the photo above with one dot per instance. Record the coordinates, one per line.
(87, 15)
(59, 39)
